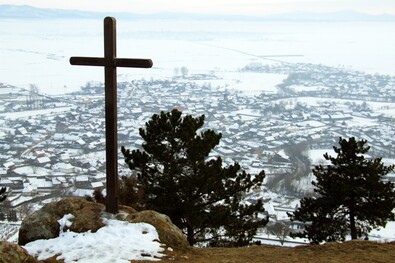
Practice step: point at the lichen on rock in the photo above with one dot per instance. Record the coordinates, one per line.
(12, 253)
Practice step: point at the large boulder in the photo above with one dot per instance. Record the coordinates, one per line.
(13, 253)
(43, 224)
(169, 234)
(88, 216)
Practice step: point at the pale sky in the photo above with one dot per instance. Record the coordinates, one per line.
(241, 7)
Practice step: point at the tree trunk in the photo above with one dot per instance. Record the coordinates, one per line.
(353, 228)
(190, 234)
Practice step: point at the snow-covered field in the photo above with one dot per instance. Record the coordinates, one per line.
(386, 108)
(33, 113)
(38, 52)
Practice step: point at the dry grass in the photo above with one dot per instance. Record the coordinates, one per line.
(352, 251)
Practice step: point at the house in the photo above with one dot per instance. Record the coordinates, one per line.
(82, 181)
(97, 185)
(29, 189)
(39, 153)
(21, 131)
(64, 167)
(9, 165)
(43, 160)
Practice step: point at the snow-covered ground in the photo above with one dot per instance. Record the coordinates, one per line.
(116, 242)
(317, 156)
(384, 234)
(251, 83)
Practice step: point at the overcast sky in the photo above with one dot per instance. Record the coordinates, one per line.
(242, 7)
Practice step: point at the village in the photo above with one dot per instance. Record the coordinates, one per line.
(54, 146)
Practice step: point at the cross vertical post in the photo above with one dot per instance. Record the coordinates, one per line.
(110, 63)
(110, 86)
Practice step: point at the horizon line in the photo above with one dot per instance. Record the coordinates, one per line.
(197, 13)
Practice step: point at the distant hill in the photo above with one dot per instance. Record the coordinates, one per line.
(334, 16)
(29, 12)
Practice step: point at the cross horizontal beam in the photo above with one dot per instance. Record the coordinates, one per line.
(111, 62)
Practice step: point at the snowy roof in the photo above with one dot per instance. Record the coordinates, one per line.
(39, 152)
(97, 184)
(137, 110)
(55, 181)
(269, 208)
(62, 166)
(40, 183)
(22, 130)
(82, 178)
(44, 159)
(100, 176)
(312, 123)
(65, 137)
(29, 188)
(81, 141)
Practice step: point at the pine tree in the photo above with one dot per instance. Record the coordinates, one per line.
(201, 197)
(352, 197)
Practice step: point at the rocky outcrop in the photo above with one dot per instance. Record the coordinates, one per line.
(88, 216)
(13, 253)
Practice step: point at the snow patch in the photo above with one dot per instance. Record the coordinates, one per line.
(65, 222)
(117, 242)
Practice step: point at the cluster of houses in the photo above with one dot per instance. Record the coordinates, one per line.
(57, 147)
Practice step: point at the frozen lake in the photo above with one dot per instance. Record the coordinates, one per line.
(38, 52)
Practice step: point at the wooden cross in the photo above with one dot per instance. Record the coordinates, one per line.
(110, 63)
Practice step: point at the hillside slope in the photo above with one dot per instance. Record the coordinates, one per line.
(352, 251)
